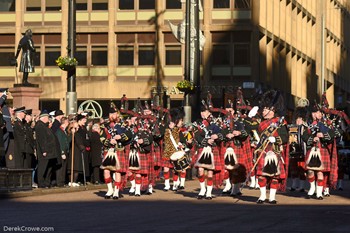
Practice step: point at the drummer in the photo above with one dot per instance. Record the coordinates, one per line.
(174, 141)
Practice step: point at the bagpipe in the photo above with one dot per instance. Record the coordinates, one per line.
(335, 117)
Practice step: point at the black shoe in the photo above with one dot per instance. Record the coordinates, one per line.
(274, 202)
(260, 201)
(208, 198)
(308, 197)
(251, 188)
(121, 195)
(200, 197)
(302, 190)
(137, 195)
(239, 194)
(115, 197)
(181, 187)
(131, 193)
(108, 196)
(226, 193)
(292, 189)
(340, 189)
(148, 193)
(327, 195)
(319, 198)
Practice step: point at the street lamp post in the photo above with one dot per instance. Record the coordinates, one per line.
(323, 54)
(71, 95)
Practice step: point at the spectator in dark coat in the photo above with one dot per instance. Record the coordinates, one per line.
(57, 120)
(64, 141)
(19, 134)
(7, 130)
(96, 152)
(46, 150)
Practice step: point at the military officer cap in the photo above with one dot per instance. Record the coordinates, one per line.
(20, 109)
(28, 111)
(43, 113)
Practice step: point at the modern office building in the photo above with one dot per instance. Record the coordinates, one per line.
(301, 47)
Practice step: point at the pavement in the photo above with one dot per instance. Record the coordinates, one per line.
(84, 209)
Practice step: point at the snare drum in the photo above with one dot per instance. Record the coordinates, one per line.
(180, 161)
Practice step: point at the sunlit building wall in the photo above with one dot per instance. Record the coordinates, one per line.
(126, 47)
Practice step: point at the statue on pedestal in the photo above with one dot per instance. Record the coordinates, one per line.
(26, 65)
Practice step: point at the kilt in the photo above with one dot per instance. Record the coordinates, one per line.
(280, 165)
(167, 163)
(219, 164)
(325, 159)
(144, 163)
(157, 154)
(122, 158)
(241, 154)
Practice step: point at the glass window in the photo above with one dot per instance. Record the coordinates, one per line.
(6, 54)
(173, 55)
(221, 54)
(171, 4)
(53, 5)
(221, 4)
(125, 55)
(241, 54)
(8, 5)
(147, 4)
(242, 4)
(100, 5)
(33, 5)
(126, 4)
(146, 55)
(80, 55)
(81, 5)
(99, 55)
(37, 57)
(51, 54)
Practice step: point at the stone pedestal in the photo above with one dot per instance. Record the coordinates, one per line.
(26, 96)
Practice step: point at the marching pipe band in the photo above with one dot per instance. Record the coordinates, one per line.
(241, 147)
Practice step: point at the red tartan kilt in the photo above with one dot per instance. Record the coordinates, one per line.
(260, 166)
(144, 163)
(123, 161)
(325, 159)
(167, 163)
(241, 155)
(157, 156)
(218, 159)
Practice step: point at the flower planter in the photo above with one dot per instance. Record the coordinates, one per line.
(67, 67)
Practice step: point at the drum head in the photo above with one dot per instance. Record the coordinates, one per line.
(177, 155)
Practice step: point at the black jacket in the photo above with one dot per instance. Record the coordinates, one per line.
(45, 141)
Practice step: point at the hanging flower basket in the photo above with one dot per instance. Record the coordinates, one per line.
(185, 86)
(66, 63)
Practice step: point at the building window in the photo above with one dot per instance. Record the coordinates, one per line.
(147, 4)
(33, 5)
(221, 4)
(221, 55)
(125, 55)
(81, 5)
(6, 54)
(126, 4)
(146, 55)
(80, 55)
(51, 54)
(53, 5)
(171, 4)
(99, 55)
(173, 55)
(241, 53)
(100, 5)
(242, 4)
(8, 5)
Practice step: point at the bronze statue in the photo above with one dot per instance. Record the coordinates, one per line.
(26, 65)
